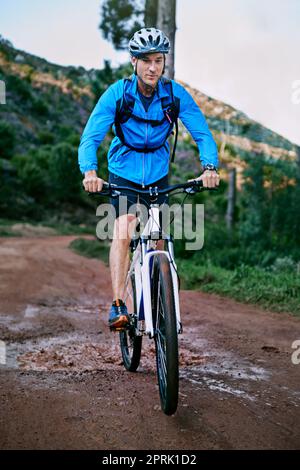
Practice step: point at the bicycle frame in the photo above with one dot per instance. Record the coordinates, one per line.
(151, 295)
(141, 266)
(143, 254)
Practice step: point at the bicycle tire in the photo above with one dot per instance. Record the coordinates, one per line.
(165, 334)
(130, 342)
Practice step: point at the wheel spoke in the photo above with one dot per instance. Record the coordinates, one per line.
(162, 372)
(130, 343)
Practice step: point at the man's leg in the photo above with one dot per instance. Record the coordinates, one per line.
(119, 265)
(119, 253)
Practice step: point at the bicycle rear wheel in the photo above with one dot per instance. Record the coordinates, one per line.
(130, 342)
(165, 334)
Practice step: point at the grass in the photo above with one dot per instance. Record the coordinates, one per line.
(277, 291)
(60, 228)
(91, 249)
(8, 233)
(71, 229)
(5, 228)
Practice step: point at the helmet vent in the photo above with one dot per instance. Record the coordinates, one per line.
(148, 40)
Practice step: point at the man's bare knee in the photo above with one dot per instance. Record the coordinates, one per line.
(124, 227)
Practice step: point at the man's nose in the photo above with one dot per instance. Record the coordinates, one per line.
(152, 66)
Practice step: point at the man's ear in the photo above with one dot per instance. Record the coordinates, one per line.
(134, 63)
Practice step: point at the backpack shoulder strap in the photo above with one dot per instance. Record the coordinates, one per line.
(171, 108)
(170, 103)
(125, 105)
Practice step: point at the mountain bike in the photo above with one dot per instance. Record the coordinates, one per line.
(152, 295)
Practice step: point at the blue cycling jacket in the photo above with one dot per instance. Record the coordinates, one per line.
(142, 168)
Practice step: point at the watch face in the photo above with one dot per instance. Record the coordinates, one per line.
(209, 166)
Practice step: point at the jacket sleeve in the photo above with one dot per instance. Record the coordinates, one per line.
(193, 119)
(96, 128)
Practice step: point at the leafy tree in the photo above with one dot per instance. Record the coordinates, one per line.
(120, 19)
(7, 139)
(64, 173)
(105, 77)
(21, 87)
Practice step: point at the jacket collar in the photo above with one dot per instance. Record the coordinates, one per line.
(160, 92)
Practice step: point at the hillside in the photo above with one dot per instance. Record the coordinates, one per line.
(45, 102)
(252, 224)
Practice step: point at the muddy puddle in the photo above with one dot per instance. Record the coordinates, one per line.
(94, 349)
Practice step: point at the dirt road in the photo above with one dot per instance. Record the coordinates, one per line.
(63, 385)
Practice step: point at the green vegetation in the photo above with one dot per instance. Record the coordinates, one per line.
(91, 248)
(257, 260)
(13, 228)
(276, 288)
(7, 140)
(270, 288)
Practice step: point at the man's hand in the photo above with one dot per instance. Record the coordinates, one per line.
(210, 179)
(91, 182)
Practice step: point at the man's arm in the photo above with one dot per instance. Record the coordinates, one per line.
(95, 130)
(193, 119)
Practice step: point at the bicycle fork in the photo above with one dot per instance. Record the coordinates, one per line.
(146, 288)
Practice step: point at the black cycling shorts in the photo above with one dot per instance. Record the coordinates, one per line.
(128, 204)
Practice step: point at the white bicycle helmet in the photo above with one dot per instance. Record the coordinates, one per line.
(147, 41)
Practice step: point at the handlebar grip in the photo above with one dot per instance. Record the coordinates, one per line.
(197, 183)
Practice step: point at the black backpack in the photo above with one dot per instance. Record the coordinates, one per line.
(170, 107)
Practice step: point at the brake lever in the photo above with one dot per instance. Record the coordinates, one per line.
(106, 190)
(197, 188)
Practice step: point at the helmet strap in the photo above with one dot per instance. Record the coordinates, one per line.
(140, 78)
(164, 64)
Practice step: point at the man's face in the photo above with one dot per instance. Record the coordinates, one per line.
(149, 68)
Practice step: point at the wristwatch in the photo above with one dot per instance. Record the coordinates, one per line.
(210, 167)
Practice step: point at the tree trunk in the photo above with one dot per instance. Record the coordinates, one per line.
(150, 18)
(166, 21)
(231, 199)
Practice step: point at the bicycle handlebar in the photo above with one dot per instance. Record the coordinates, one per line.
(114, 190)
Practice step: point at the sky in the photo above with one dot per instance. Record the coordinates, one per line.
(243, 52)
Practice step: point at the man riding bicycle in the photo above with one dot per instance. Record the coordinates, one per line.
(143, 109)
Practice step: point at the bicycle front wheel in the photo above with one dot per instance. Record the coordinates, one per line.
(130, 342)
(165, 334)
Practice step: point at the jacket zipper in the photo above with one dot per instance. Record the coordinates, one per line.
(143, 182)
